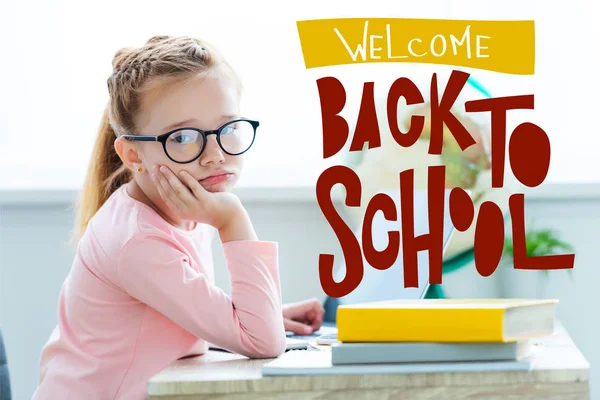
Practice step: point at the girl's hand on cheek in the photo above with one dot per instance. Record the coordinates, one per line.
(186, 197)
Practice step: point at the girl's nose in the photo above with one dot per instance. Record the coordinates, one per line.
(212, 154)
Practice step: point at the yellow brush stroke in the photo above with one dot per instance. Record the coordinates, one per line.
(500, 46)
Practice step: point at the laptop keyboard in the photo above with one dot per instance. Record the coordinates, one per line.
(325, 329)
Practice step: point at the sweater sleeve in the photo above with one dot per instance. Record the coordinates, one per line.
(154, 270)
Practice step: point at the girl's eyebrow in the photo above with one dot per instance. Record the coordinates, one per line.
(224, 119)
(230, 117)
(177, 125)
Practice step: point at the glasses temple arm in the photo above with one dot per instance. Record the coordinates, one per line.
(141, 138)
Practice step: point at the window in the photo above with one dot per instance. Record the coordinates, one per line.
(55, 82)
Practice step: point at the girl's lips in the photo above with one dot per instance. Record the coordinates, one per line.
(216, 178)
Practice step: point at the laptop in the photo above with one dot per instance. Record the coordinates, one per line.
(385, 285)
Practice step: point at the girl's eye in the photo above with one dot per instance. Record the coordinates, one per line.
(228, 130)
(183, 138)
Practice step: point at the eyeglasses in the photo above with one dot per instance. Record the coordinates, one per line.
(184, 145)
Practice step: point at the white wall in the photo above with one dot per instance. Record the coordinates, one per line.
(34, 262)
(62, 58)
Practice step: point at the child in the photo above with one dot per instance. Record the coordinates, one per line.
(140, 293)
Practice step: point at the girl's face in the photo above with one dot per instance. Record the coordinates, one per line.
(204, 103)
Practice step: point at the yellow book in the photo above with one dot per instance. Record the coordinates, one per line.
(446, 320)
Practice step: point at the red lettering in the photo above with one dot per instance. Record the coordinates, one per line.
(498, 107)
(529, 167)
(489, 238)
(462, 210)
(432, 241)
(335, 127)
(384, 259)
(350, 246)
(441, 114)
(404, 87)
(516, 204)
(367, 128)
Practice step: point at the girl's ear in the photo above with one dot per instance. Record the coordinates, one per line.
(128, 153)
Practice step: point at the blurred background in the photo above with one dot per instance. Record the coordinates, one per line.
(56, 57)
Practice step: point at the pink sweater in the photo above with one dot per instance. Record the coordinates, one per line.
(141, 294)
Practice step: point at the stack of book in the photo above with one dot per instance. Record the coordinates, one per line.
(440, 330)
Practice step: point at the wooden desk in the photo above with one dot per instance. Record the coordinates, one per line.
(559, 371)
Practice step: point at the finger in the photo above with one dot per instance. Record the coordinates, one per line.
(319, 307)
(297, 327)
(163, 193)
(195, 186)
(316, 324)
(178, 189)
(315, 306)
(169, 194)
(319, 318)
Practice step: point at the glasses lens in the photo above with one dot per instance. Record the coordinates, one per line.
(237, 137)
(184, 145)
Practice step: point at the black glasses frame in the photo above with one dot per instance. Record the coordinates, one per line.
(165, 136)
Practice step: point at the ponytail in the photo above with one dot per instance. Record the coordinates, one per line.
(106, 173)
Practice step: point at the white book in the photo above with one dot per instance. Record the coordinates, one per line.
(303, 362)
(367, 353)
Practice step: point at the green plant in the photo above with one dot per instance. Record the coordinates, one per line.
(539, 242)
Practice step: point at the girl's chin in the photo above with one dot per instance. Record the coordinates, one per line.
(218, 187)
